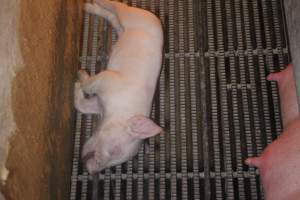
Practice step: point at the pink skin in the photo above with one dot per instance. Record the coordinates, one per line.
(122, 94)
(287, 93)
(279, 164)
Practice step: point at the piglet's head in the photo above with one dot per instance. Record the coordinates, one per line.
(117, 142)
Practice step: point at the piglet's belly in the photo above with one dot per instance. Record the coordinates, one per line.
(129, 102)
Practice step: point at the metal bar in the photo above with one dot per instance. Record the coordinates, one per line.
(140, 180)
(236, 114)
(95, 193)
(107, 183)
(202, 96)
(168, 176)
(151, 164)
(223, 100)
(143, 3)
(194, 99)
(214, 104)
(190, 54)
(270, 64)
(76, 156)
(172, 80)
(277, 30)
(169, 155)
(117, 193)
(184, 95)
(134, 3)
(129, 180)
(161, 139)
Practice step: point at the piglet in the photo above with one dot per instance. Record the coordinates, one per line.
(123, 93)
(279, 165)
(287, 93)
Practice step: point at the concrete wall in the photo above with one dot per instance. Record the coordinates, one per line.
(10, 62)
(40, 97)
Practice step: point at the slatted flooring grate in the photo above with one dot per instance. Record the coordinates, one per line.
(213, 101)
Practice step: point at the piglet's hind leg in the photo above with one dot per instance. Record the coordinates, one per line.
(109, 15)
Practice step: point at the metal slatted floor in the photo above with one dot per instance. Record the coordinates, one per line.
(213, 101)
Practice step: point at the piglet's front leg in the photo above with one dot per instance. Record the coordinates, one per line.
(87, 105)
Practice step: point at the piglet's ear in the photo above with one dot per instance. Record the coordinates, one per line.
(142, 127)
